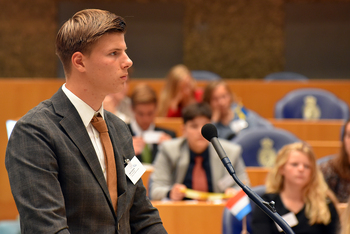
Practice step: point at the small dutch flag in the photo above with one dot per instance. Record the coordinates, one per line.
(239, 205)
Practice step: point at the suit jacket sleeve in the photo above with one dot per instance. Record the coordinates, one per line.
(33, 172)
(162, 179)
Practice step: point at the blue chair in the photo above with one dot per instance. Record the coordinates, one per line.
(326, 103)
(325, 159)
(10, 227)
(204, 75)
(260, 145)
(290, 76)
(231, 225)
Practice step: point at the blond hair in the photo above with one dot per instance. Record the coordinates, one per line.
(81, 31)
(173, 79)
(315, 193)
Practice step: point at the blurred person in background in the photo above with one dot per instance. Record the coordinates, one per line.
(336, 171)
(146, 136)
(301, 195)
(119, 104)
(229, 116)
(179, 91)
(191, 162)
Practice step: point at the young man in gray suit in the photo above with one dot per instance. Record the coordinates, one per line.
(56, 158)
(175, 167)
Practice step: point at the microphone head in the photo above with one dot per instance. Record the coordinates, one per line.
(209, 131)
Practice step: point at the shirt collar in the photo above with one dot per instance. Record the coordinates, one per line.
(137, 129)
(85, 111)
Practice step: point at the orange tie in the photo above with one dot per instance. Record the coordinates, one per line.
(101, 127)
(199, 177)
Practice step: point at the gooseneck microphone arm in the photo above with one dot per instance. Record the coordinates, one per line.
(209, 132)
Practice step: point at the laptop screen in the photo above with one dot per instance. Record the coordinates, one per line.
(9, 127)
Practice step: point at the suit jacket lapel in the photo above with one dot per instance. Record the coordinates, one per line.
(73, 125)
(183, 161)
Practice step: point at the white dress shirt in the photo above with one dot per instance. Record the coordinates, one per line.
(86, 114)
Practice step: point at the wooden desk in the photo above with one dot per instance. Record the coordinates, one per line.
(257, 175)
(191, 217)
(175, 124)
(183, 217)
(320, 130)
(324, 148)
(146, 175)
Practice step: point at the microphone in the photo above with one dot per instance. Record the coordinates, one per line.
(210, 133)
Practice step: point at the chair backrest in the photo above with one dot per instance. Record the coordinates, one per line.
(325, 159)
(311, 104)
(260, 145)
(231, 225)
(285, 76)
(10, 226)
(10, 124)
(204, 75)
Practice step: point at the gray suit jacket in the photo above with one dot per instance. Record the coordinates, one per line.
(57, 181)
(172, 161)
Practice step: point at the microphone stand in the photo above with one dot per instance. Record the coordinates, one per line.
(267, 207)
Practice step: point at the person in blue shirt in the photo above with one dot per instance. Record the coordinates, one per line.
(230, 117)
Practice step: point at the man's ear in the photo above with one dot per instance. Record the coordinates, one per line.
(78, 61)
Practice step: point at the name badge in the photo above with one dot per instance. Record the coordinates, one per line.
(238, 125)
(134, 170)
(290, 218)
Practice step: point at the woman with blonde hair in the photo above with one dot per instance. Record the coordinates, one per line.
(179, 91)
(301, 195)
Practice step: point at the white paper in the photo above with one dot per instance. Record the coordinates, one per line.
(151, 137)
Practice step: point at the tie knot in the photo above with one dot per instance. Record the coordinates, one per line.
(99, 123)
(198, 159)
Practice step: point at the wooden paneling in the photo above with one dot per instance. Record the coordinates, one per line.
(188, 217)
(17, 97)
(320, 130)
(196, 217)
(175, 124)
(257, 175)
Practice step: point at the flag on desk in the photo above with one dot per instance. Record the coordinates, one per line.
(239, 205)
